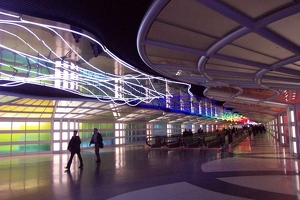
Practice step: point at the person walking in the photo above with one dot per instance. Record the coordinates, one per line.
(74, 148)
(98, 141)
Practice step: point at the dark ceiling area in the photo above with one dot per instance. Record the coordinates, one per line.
(115, 23)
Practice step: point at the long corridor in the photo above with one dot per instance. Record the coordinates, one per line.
(257, 168)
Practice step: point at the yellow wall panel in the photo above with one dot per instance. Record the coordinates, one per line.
(18, 137)
(18, 126)
(6, 137)
(32, 126)
(45, 125)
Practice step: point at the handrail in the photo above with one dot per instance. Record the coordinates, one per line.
(200, 140)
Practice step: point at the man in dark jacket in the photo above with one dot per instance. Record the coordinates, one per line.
(98, 141)
(74, 148)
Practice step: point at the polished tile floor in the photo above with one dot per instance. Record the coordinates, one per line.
(257, 168)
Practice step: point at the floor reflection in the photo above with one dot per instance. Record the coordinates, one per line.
(250, 168)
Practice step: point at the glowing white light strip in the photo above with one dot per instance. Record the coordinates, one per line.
(65, 78)
(106, 87)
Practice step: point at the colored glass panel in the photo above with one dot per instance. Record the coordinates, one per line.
(7, 98)
(45, 125)
(9, 108)
(18, 126)
(32, 125)
(30, 101)
(19, 109)
(91, 126)
(110, 126)
(18, 137)
(32, 148)
(5, 125)
(102, 126)
(85, 144)
(21, 115)
(84, 126)
(109, 134)
(18, 148)
(9, 115)
(83, 134)
(44, 147)
(3, 107)
(39, 109)
(88, 126)
(29, 109)
(32, 136)
(45, 136)
(33, 115)
(5, 149)
(48, 103)
(5, 137)
(38, 102)
(45, 116)
(87, 134)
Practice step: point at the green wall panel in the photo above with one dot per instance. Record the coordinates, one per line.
(45, 136)
(32, 148)
(102, 126)
(5, 149)
(18, 148)
(32, 136)
(86, 134)
(44, 147)
(109, 134)
(18, 137)
(6, 137)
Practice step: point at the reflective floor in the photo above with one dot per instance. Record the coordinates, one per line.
(257, 168)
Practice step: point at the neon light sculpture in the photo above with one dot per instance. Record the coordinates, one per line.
(35, 66)
(63, 74)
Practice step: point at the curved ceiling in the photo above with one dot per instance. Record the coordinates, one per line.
(245, 53)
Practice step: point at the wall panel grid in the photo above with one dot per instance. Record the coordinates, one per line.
(25, 136)
(62, 133)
